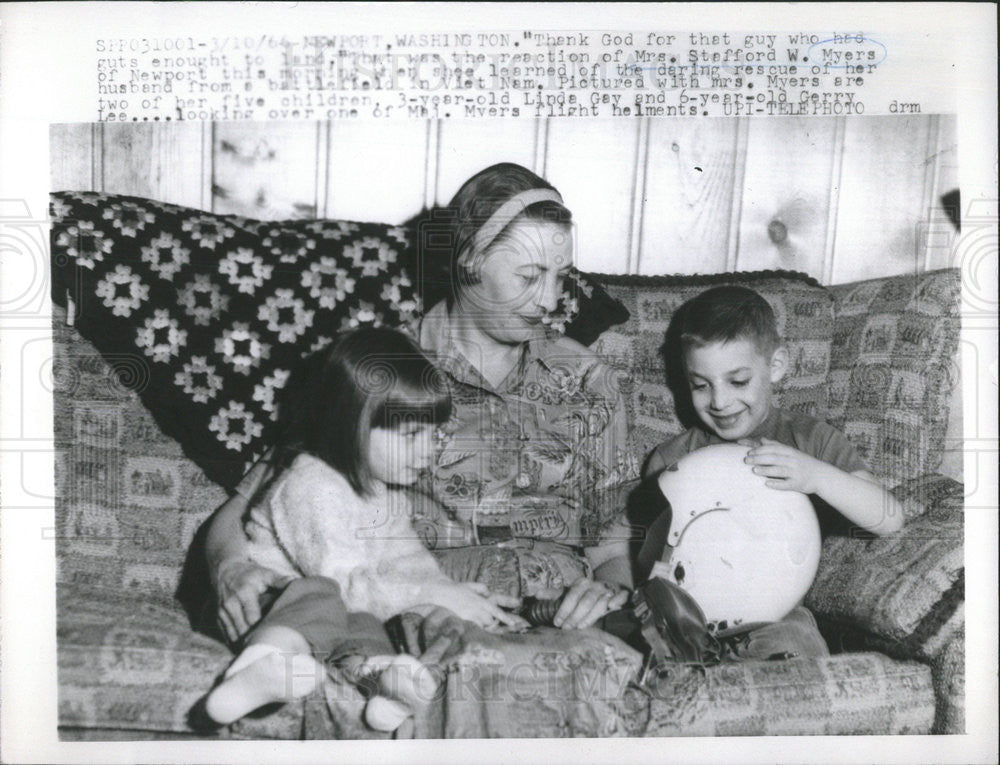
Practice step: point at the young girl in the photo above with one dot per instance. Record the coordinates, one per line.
(359, 422)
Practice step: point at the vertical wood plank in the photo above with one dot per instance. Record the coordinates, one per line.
(736, 204)
(882, 193)
(941, 234)
(432, 160)
(468, 146)
(688, 196)
(541, 145)
(786, 194)
(265, 170)
(97, 156)
(947, 154)
(637, 206)
(829, 248)
(376, 172)
(71, 163)
(928, 202)
(592, 163)
(207, 165)
(323, 139)
(158, 160)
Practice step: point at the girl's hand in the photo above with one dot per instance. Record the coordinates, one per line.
(238, 587)
(498, 598)
(474, 602)
(785, 467)
(586, 601)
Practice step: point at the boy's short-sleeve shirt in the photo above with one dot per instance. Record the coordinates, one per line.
(807, 434)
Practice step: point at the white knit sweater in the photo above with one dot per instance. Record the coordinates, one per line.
(311, 522)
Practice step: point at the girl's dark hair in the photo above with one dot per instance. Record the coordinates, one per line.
(443, 233)
(366, 378)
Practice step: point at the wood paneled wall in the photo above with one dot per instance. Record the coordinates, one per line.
(841, 199)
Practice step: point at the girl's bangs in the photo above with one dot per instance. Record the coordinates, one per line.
(429, 401)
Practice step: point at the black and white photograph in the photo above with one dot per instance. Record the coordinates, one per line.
(579, 420)
(195, 267)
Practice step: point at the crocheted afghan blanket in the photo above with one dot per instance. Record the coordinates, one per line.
(204, 316)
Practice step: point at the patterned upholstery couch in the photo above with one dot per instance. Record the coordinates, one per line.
(876, 358)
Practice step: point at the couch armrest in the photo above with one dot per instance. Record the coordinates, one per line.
(903, 594)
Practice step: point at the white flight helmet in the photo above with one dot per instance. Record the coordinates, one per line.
(745, 552)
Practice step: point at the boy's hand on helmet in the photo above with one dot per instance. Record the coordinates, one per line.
(785, 467)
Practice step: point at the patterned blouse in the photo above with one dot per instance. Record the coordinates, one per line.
(539, 458)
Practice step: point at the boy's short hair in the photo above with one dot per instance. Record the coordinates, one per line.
(727, 313)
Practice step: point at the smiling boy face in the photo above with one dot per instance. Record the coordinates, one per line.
(731, 385)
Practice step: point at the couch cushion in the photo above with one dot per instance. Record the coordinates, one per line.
(804, 311)
(863, 693)
(128, 503)
(893, 369)
(904, 593)
(210, 313)
(132, 669)
(128, 663)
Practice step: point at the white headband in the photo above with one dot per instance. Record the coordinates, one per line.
(503, 215)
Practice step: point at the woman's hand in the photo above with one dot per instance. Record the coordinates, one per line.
(586, 601)
(238, 587)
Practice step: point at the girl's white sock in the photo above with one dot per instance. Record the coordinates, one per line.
(249, 655)
(385, 714)
(404, 678)
(262, 674)
(403, 683)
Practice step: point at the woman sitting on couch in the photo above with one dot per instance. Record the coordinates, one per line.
(538, 437)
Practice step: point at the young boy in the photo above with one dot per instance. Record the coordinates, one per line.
(732, 356)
